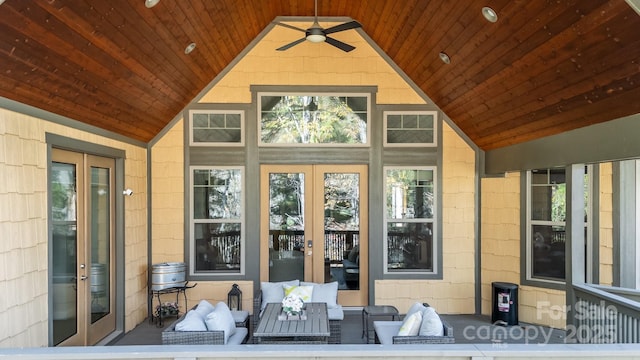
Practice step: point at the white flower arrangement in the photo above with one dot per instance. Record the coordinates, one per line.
(292, 304)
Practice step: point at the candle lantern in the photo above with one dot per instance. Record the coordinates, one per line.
(234, 298)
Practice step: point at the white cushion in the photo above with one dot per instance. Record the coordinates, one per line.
(239, 316)
(431, 323)
(273, 292)
(192, 322)
(238, 337)
(416, 307)
(204, 308)
(411, 325)
(335, 313)
(303, 291)
(386, 330)
(221, 319)
(326, 293)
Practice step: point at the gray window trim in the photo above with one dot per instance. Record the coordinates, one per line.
(593, 235)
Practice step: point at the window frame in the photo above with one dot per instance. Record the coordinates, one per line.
(434, 143)
(261, 94)
(527, 263)
(241, 143)
(193, 222)
(434, 221)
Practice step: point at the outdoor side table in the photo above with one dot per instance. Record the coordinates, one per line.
(376, 311)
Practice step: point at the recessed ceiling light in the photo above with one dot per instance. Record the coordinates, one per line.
(151, 3)
(445, 58)
(489, 14)
(189, 48)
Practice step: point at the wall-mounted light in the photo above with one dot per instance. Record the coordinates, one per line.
(127, 192)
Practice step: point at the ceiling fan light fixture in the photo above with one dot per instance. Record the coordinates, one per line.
(316, 38)
(489, 14)
(445, 58)
(315, 34)
(151, 3)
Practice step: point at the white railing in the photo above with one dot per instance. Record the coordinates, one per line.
(333, 352)
(605, 315)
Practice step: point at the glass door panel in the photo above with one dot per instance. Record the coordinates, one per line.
(64, 248)
(286, 212)
(101, 317)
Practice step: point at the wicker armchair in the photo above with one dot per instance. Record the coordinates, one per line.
(172, 337)
(335, 326)
(386, 329)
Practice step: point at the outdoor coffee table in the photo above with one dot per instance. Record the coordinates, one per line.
(313, 330)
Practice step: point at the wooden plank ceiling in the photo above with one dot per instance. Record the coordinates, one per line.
(543, 68)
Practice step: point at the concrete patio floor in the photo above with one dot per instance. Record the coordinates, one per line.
(468, 329)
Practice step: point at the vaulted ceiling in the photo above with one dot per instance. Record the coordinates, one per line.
(543, 68)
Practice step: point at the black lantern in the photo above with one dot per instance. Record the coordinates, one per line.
(234, 298)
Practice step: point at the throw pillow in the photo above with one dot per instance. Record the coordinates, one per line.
(416, 307)
(325, 293)
(305, 292)
(273, 292)
(192, 322)
(431, 323)
(411, 325)
(204, 308)
(221, 319)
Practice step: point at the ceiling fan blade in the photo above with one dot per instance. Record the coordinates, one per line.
(292, 44)
(290, 26)
(342, 27)
(339, 44)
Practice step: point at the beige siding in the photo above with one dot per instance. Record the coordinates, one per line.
(23, 225)
(309, 64)
(455, 293)
(501, 254)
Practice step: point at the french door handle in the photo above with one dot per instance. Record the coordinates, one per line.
(83, 277)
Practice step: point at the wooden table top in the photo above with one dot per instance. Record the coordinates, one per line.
(316, 324)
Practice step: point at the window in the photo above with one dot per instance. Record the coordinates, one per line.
(546, 215)
(216, 127)
(217, 221)
(410, 128)
(312, 119)
(410, 203)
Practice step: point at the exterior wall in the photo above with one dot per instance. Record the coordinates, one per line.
(23, 227)
(320, 64)
(455, 293)
(606, 224)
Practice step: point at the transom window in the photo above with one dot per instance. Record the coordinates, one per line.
(314, 119)
(410, 128)
(216, 128)
(410, 204)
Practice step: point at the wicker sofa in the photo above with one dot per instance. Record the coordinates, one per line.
(321, 292)
(388, 332)
(171, 336)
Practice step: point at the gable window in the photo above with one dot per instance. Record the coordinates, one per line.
(217, 220)
(410, 128)
(546, 218)
(409, 226)
(314, 119)
(216, 128)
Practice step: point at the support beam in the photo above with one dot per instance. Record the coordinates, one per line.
(575, 239)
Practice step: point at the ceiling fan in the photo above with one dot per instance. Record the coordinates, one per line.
(317, 34)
